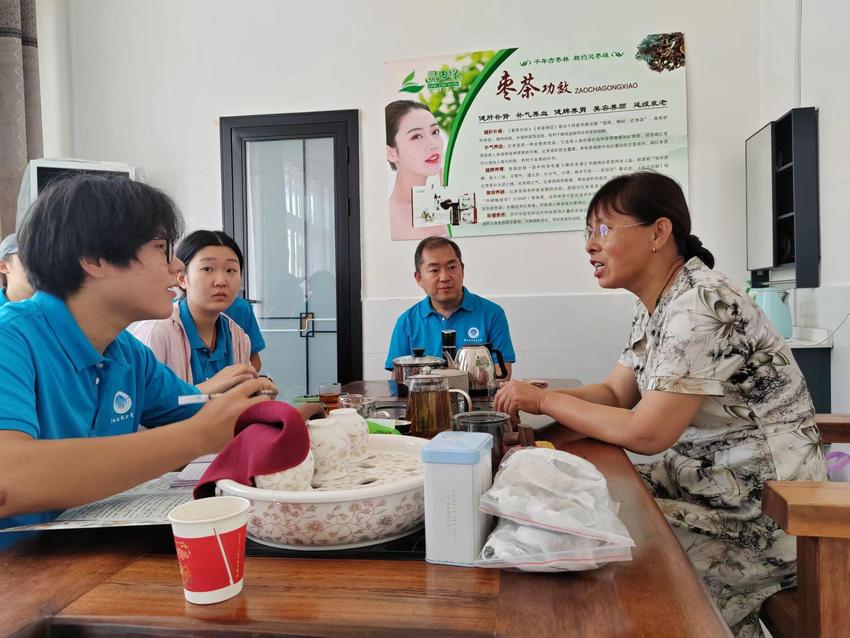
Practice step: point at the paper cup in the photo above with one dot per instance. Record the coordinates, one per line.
(209, 535)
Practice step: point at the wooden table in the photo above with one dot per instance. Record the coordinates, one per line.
(110, 582)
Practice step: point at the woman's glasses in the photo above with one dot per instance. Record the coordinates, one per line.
(601, 232)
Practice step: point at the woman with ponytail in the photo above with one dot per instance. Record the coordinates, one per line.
(200, 343)
(704, 378)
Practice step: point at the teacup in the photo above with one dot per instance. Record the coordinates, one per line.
(295, 479)
(331, 447)
(364, 405)
(358, 431)
(350, 400)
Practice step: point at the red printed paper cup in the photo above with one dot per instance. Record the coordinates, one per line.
(209, 535)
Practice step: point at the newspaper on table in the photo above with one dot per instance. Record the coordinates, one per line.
(145, 504)
(192, 473)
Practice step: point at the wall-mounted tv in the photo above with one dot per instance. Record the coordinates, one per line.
(41, 172)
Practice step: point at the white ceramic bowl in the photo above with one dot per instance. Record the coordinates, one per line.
(338, 519)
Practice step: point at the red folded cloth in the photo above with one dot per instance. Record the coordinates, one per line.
(269, 437)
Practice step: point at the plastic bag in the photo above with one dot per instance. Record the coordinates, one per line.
(533, 549)
(556, 491)
(838, 465)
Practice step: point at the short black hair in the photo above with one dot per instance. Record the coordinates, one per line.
(429, 243)
(199, 239)
(91, 217)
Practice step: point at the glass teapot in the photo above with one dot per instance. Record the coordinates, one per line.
(429, 409)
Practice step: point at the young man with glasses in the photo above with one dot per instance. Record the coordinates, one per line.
(75, 386)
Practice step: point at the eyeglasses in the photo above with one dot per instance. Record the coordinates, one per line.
(169, 248)
(602, 231)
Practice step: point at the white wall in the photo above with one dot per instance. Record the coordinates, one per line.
(825, 50)
(813, 31)
(54, 57)
(150, 80)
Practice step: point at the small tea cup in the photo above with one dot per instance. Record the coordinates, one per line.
(331, 447)
(295, 479)
(358, 431)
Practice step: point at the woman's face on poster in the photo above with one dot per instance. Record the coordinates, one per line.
(418, 144)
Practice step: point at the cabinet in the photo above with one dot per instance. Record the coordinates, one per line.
(783, 227)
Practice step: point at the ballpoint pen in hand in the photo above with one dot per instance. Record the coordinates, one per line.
(190, 399)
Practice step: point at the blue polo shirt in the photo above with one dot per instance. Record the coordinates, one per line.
(243, 314)
(205, 363)
(477, 321)
(3, 298)
(55, 385)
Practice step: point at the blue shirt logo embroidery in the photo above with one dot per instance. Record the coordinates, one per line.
(122, 403)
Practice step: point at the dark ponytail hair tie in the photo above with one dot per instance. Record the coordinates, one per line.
(692, 245)
(694, 248)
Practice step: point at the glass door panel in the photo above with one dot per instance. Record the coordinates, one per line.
(291, 251)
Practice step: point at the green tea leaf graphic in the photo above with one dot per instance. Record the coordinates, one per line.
(409, 78)
(412, 88)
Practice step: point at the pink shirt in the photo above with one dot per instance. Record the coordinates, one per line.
(168, 340)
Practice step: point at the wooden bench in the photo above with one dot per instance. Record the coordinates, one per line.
(818, 514)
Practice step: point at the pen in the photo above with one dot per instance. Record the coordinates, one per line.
(191, 399)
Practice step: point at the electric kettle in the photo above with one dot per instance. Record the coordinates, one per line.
(478, 362)
(773, 303)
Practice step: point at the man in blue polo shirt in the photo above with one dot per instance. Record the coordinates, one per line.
(75, 386)
(448, 306)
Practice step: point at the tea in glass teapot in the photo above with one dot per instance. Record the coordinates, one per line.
(428, 407)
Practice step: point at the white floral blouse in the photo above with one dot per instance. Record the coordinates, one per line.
(756, 424)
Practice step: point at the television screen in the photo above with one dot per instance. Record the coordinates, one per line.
(47, 174)
(41, 172)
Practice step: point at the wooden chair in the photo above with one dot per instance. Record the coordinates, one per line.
(818, 514)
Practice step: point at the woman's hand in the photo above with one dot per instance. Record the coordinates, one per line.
(269, 385)
(310, 410)
(516, 395)
(230, 377)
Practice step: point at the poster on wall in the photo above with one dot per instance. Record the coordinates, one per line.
(518, 140)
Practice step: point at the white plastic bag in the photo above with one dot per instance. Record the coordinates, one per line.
(532, 549)
(556, 491)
